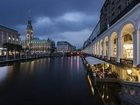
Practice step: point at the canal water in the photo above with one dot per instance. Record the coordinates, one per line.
(60, 80)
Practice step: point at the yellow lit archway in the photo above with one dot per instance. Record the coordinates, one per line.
(113, 44)
(106, 46)
(101, 47)
(127, 41)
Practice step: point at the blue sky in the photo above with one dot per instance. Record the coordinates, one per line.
(69, 20)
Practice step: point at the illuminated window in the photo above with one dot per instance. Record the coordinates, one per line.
(127, 37)
(128, 51)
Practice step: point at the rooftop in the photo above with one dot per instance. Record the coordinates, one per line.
(4, 27)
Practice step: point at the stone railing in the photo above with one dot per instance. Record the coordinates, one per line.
(128, 62)
(113, 59)
(130, 93)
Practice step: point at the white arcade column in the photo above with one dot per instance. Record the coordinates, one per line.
(119, 48)
(109, 48)
(103, 54)
(136, 48)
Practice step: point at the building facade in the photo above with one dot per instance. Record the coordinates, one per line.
(40, 46)
(113, 10)
(8, 35)
(120, 41)
(36, 45)
(65, 47)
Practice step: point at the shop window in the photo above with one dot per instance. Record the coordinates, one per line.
(127, 38)
(128, 51)
(115, 41)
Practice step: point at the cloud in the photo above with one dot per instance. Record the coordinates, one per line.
(69, 20)
(76, 38)
(43, 21)
(76, 17)
(74, 27)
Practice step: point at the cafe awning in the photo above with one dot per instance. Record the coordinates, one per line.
(93, 61)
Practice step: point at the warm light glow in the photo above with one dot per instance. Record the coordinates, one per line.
(103, 96)
(128, 46)
(129, 71)
(128, 50)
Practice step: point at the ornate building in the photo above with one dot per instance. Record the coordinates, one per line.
(36, 45)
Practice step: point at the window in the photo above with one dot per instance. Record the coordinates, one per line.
(115, 41)
(127, 37)
(128, 2)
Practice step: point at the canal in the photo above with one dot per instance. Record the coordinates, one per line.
(60, 80)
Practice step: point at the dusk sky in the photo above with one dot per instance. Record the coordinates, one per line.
(68, 20)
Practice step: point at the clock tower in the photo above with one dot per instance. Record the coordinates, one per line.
(29, 33)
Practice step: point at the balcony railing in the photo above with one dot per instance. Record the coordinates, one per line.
(113, 59)
(128, 62)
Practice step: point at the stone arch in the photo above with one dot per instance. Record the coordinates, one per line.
(133, 23)
(101, 47)
(113, 44)
(126, 36)
(106, 46)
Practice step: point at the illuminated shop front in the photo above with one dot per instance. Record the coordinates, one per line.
(113, 44)
(101, 47)
(127, 41)
(2, 51)
(106, 46)
(125, 74)
(128, 47)
(105, 70)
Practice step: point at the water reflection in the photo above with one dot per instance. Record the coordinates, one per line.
(49, 80)
(78, 63)
(109, 93)
(5, 72)
(71, 62)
